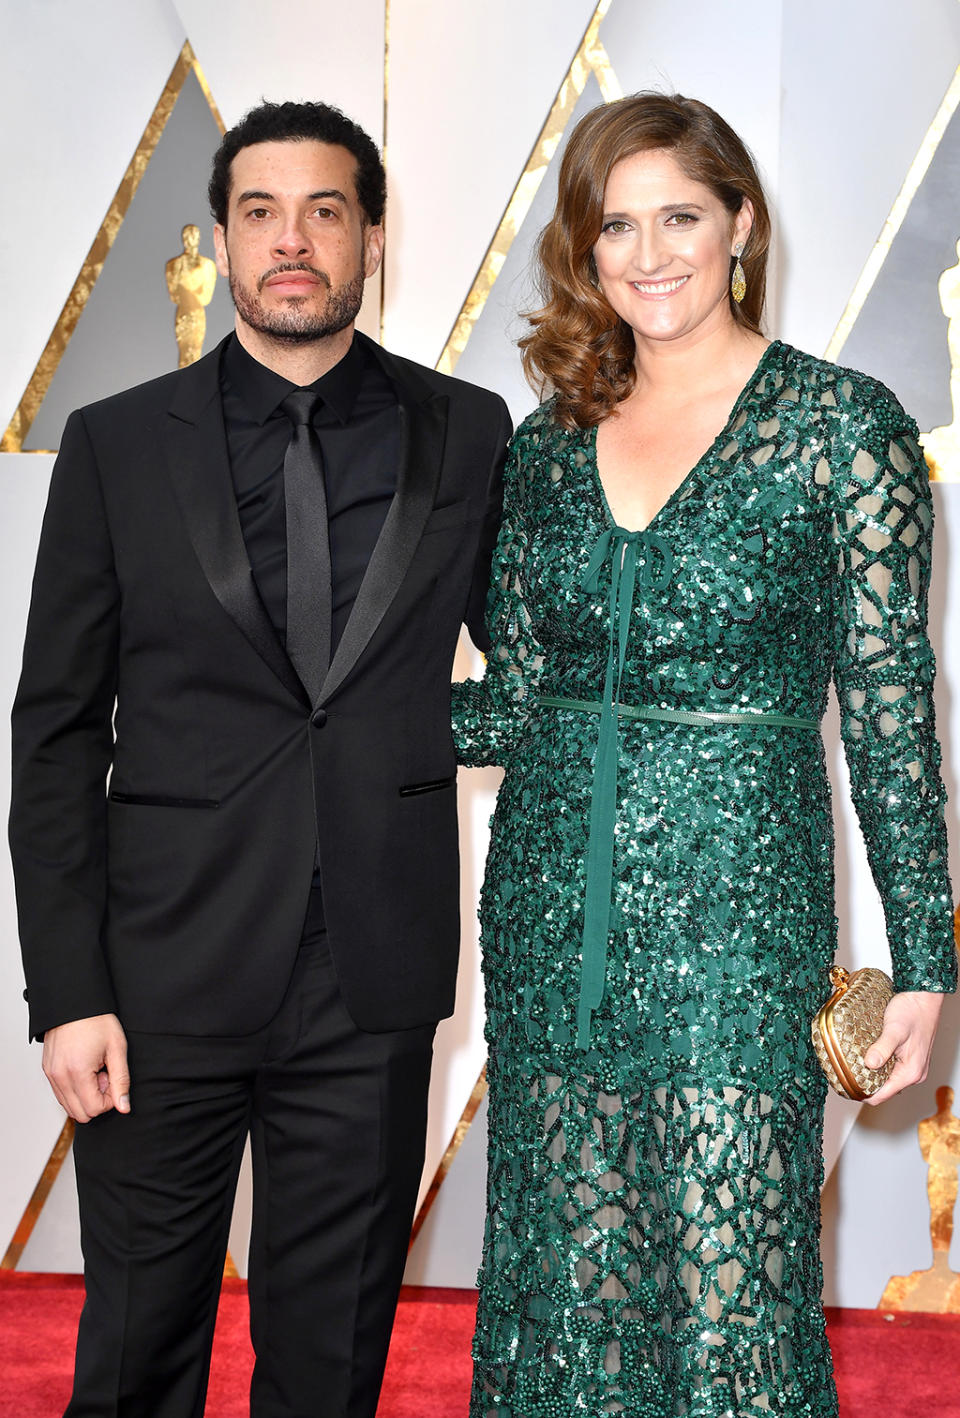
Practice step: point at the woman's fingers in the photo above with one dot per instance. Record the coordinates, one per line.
(909, 1028)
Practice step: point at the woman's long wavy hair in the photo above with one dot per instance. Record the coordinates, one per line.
(579, 346)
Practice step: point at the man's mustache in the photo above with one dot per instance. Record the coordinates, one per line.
(286, 266)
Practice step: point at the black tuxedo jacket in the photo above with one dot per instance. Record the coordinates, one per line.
(174, 893)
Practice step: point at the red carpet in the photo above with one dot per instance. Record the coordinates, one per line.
(897, 1366)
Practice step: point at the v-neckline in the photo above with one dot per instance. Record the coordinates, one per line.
(718, 442)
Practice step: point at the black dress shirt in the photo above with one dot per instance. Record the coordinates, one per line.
(358, 425)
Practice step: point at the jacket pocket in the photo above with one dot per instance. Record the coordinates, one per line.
(159, 800)
(413, 790)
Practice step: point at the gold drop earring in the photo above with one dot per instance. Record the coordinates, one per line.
(738, 281)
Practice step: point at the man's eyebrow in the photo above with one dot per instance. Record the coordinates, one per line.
(253, 194)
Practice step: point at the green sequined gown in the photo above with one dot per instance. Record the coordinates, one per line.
(651, 1246)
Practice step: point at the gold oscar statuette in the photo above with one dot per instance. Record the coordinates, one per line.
(936, 1290)
(190, 281)
(942, 445)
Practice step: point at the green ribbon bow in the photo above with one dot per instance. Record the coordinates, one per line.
(633, 557)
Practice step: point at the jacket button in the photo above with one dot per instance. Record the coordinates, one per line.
(318, 718)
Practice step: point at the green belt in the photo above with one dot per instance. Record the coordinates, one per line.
(632, 556)
(678, 716)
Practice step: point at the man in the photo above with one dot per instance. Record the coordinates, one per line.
(250, 582)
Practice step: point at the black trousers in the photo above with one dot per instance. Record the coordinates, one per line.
(337, 1121)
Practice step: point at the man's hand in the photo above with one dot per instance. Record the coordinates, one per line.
(86, 1064)
(909, 1025)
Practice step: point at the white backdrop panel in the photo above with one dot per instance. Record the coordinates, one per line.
(470, 88)
(861, 83)
(301, 50)
(77, 86)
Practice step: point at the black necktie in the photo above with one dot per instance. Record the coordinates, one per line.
(308, 545)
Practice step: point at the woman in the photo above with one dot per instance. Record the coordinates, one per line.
(700, 528)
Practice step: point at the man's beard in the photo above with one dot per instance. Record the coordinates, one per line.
(294, 324)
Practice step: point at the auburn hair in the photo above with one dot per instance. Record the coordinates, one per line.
(578, 346)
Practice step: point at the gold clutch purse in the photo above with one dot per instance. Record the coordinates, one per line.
(844, 1028)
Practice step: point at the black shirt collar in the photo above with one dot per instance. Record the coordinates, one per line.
(261, 390)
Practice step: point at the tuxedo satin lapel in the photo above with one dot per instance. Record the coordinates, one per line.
(423, 433)
(195, 445)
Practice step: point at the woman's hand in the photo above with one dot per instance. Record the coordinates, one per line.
(909, 1026)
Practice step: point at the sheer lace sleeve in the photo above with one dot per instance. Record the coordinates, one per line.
(489, 714)
(883, 670)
